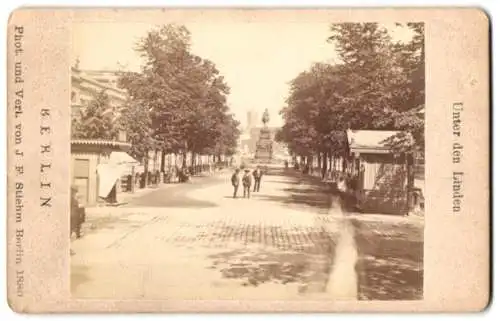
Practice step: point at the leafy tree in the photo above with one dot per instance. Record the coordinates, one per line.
(229, 133)
(313, 111)
(370, 72)
(183, 94)
(379, 84)
(136, 121)
(96, 120)
(389, 87)
(412, 59)
(209, 111)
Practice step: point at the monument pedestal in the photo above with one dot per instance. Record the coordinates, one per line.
(264, 148)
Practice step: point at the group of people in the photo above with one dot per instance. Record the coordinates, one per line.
(246, 180)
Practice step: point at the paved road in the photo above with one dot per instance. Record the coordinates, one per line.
(176, 196)
(289, 241)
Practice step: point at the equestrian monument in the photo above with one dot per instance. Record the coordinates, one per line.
(264, 148)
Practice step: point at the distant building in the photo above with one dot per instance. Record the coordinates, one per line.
(85, 84)
(252, 120)
(108, 78)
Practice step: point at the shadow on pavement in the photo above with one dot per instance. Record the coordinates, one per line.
(390, 264)
(314, 194)
(254, 268)
(177, 202)
(318, 201)
(176, 196)
(302, 255)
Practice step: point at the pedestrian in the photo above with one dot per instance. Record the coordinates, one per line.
(257, 175)
(77, 214)
(235, 181)
(341, 186)
(184, 175)
(247, 183)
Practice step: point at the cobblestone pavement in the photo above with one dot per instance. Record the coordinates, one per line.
(289, 241)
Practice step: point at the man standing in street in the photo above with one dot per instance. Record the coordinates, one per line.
(257, 175)
(235, 181)
(77, 214)
(247, 182)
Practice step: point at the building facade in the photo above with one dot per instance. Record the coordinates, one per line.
(86, 84)
(88, 155)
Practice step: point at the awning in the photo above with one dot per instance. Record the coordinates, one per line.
(124, 161)
(121, 158)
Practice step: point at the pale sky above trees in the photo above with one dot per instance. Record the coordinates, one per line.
(257, 61)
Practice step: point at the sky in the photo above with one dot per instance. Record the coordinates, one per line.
(257, 60)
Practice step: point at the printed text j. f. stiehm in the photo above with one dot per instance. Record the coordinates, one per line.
(18, 163)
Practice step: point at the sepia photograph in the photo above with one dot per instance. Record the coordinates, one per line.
(169, 160)
(239, 161)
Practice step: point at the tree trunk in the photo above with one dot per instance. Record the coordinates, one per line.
(184, 159)
(162, 162)
(155, 162)
(310, 163)
(410, 182)
(330, 160)
(132, 180)
(154, 178)
(325, 164)
(193, 159)
(144, 178)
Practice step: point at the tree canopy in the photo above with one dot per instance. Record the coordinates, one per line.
(179, 97)
(96, 120)
(378, 84)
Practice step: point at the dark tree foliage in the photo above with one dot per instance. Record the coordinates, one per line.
(178, 99)
(379, 84)
(96, 120)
